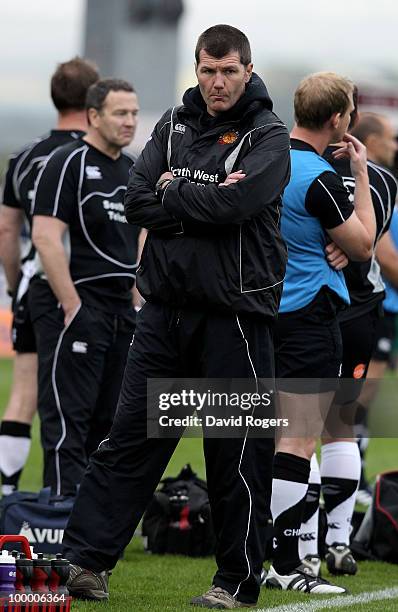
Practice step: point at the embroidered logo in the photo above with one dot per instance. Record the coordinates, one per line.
(179, 128)
(79, 347)
(228, 137)
(93, 172)
(359, 370)
(349, 184)
(334, 525)
(308, 537)
(291, 532)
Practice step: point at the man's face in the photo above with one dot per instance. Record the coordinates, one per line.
(344, 122)
(117, 121)
(382, 147)
(221, 81)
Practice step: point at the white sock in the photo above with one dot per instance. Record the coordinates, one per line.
(308, 542)
(340, 473)
(13, 454)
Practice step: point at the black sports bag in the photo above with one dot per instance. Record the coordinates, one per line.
(377, 538)
(178, 519)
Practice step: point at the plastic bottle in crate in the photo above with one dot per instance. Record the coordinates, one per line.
(24, 568)
(41, 574)
(60, 569)
(7, 574)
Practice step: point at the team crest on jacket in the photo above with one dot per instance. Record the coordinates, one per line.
(228, 137)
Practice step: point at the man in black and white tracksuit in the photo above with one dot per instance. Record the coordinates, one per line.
(69, 85)
(208, 187)
(81, 300)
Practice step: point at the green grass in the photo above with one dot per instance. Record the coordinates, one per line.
(143, 582)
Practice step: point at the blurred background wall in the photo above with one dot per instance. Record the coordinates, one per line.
(151, 42)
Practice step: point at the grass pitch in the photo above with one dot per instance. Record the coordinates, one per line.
(142, 582)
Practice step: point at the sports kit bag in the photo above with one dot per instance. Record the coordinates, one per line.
(178, 519)
(377, 537)
(40, 517)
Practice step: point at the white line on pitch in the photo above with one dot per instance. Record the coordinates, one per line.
(336, 602)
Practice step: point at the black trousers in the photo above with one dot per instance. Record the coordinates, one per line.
(81, 369)
(125, 470)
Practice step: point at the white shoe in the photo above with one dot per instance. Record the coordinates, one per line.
(301, 579)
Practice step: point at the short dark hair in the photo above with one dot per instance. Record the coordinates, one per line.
(97, 93)
(368, 124)
(221, 39)
(70, 82)
(319, 96)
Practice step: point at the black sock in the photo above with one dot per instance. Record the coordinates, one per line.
(289, 490)
(308, 542)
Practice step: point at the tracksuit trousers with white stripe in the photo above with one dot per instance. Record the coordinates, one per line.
(81, 369)
(123, 473)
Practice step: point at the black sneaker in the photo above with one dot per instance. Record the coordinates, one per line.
(220, 599)
(85, 584)
(339, 560)
(301, 579)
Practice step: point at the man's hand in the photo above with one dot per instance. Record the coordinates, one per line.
(137, 299)
(337, 259)
(356, 152)
(232, 178)
(47, 234)
(70, 310)
(164, 176)
(163, 182)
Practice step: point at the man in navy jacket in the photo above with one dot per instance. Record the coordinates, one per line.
(208, 188)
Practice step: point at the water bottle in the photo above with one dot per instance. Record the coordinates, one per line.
(41, 574)
(24, 568)
(180, 528)
(60, 569)
(7, 574)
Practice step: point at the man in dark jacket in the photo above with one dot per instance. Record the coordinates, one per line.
(208, 188)
(68, 86)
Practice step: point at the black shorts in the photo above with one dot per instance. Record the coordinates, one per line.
(385, 336)
(22, 333)
(308, 345)
(358, 335)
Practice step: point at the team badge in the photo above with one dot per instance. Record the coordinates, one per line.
(93, 172)
(228, 137)
(359, 371)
